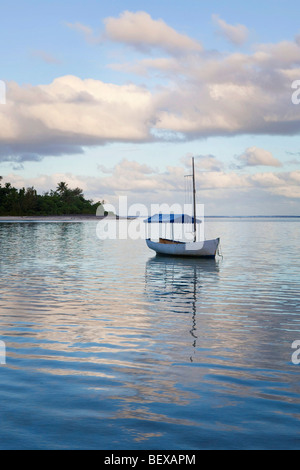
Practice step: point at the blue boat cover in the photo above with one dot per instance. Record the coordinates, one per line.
(171, 219)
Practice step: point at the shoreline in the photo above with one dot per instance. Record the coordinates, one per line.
(49, 218)
(81, 218)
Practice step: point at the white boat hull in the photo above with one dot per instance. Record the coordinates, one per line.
(205, 249)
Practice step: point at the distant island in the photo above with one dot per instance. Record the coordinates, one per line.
(62, 201)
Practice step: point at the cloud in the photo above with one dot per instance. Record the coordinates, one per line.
(282, 54)
(146, 183)
(83, 29)
(198, 94)
(254, 156)
(46, 57)
(223, 192)
(69, 114)
(162, 66)
(294, 162)
(134, 177)
(131, 176)
(237, 34)
(231, 94)
(142, 32)
(204, 163)
(281, 184)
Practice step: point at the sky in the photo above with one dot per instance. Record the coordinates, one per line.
(116, 97)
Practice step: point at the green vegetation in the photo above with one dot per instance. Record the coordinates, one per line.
(62, 201)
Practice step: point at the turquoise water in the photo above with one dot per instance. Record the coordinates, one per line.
(110, 347)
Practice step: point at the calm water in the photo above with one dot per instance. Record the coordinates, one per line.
(110, 347)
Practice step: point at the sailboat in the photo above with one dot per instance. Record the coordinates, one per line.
(171, 247)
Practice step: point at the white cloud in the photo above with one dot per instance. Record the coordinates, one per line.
(147, 184)
(83, 29)
(200, 94)
(284, 53)
(280, 184)
(46, 57)
(237, 34)
(254, 156)
(71, 113)
(140, 31)
(222, 192)
(204, 163)
(162, 66)
(230, 94)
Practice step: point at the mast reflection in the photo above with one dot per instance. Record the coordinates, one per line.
(180, 282)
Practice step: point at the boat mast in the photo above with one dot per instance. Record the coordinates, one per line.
(194, 200)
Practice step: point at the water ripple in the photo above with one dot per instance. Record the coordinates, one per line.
(109, 347)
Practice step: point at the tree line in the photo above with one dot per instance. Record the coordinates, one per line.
(62, 201)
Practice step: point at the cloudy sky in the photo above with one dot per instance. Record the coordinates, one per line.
(115, 97)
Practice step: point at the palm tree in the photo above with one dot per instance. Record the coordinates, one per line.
(62, 187)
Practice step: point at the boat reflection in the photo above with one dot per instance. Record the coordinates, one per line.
(179, 284)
